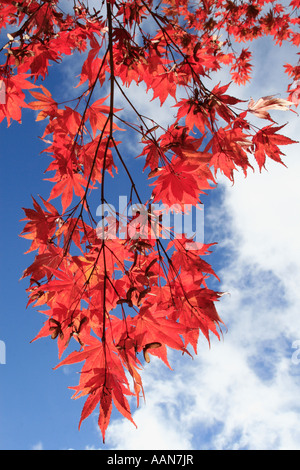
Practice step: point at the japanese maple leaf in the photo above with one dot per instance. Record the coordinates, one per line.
(229, 150)
(193, 113)
(98, 147)
(177, 183)
(241, 68)
(98, 115)
(38, 269)
(45, 104)
(38, 62)
(67, 284)
(14, 97)
(261, 107)
(41, 225)
(190, 260)
(295, 3)
(163, 85)
(153, 155)
(65, 188)
(200, 314)
(98, 372)
(105, 388)
(91, 66)
(70, 119)
(62, 325)
(266, 143)
(156, 328)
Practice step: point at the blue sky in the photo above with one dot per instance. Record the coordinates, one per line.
(243, 392)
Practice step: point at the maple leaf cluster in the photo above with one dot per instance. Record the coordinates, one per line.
(124, 299)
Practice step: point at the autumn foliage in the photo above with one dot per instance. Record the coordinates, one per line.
(124, 298)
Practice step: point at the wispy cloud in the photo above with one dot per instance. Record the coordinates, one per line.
(38, 446)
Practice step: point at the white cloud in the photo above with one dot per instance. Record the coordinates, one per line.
(38, 446)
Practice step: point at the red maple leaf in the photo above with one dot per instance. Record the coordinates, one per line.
(267, 143)
(179, 184)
